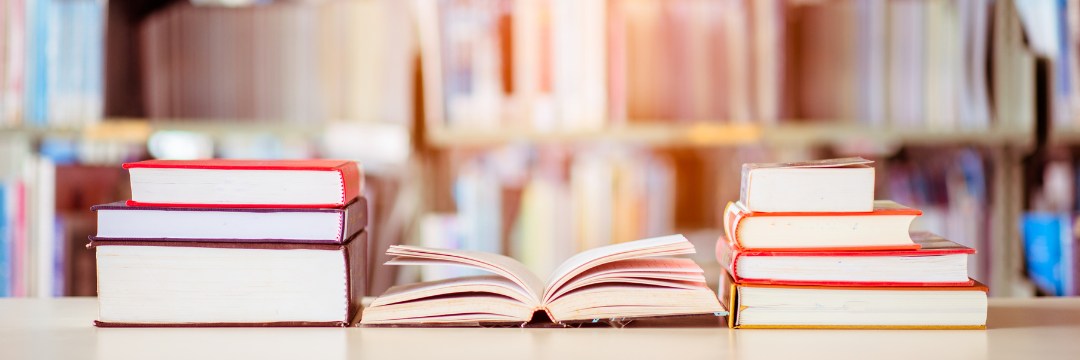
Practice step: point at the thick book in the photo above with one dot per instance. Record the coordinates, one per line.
(632, 280)
(868, 307)
(119, 221)
(884, 227)
(244, 183)
(208, 284)
(937, 262)
(833, 185)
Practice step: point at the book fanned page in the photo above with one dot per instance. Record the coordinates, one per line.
(833, 185)
(632, 280)
(938, 262)
(217, 284)
(244, 183)
(119, 221)
(762, 306)
(884, 227)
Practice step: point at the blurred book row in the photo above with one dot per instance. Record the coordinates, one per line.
(579, 65)
(51, 61)
(283, 62)
(43, 220)
(287, 62)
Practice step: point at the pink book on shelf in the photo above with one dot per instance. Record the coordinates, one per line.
(616, 64)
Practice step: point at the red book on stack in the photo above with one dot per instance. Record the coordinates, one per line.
(937, 262)
(244, 183)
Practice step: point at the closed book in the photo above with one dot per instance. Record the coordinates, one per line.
(119, 221)
(866, 307)
(884, 227)
(244, 183)
(833, 185)
(201, 284)
(937, 262)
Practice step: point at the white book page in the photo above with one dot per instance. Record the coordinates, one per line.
(504, 266)
(663, 272)
(485, 283)
(659, 246)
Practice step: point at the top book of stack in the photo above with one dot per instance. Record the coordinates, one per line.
(834, 185)
(245, 183)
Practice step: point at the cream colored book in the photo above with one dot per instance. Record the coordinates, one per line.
(624, 281)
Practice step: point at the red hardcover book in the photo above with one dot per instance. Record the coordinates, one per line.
(245, 183)
(886, 227)
(938, 262)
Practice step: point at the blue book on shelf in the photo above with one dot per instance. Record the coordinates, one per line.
(5, 244)
(1048, 249)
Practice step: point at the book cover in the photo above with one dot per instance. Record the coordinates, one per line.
(352, 219)
(729, 295)
(735, 213)
(828, 185)
(728, 254)
(355, 252)
(349, 171)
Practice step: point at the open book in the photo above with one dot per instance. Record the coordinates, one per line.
(621, 281)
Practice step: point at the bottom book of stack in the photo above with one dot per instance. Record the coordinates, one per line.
(892, 307)
(191, 283)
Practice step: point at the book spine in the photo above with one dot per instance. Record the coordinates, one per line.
(353, 219)
(352, 182)
(732, 216)
(726, 256)
(5, 241)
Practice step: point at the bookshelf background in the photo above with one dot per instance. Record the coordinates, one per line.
(540, 127)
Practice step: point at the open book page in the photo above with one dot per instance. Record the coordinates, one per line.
(653, 247)
(494, 284)
(633, 301)
(501, 265)
(662, 272)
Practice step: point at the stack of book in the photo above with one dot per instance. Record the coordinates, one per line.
(233, 243)
(808, 247)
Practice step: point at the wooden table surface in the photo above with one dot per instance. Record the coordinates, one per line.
(1045, 328)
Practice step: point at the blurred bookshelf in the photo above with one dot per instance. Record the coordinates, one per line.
(539, 128)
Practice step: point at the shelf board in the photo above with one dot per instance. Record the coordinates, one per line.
(711, 134)
(657, 133)
(140, 129)
(828, 134)
(700, 134)
(1064, 136)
